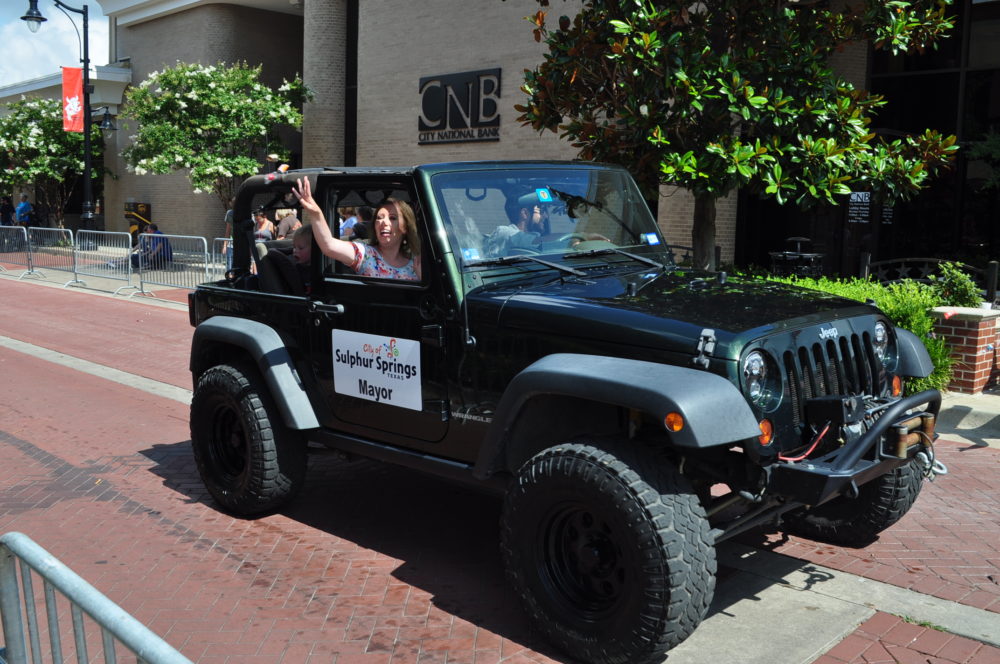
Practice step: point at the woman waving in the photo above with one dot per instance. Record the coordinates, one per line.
(392, 251)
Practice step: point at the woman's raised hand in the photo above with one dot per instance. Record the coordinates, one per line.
(303, 192)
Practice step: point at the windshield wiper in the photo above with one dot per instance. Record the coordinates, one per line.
(614, 250)
(507, 260)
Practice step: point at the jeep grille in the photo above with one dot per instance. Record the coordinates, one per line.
(836, 366)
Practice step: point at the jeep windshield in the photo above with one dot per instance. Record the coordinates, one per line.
(495, 215)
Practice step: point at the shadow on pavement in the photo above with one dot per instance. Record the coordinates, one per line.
(445, 535)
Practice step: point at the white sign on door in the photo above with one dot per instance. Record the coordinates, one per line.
(377, 368)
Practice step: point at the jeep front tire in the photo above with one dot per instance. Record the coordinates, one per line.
(250, 463)
(609, 550)
(857, 521)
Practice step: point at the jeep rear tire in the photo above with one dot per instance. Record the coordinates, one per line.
(609, 551)
(857, 521)
(250, 463)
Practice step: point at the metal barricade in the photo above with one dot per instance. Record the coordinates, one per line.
(14, 249)
(222, 256)
(52, 249)
(182, 264)
(19, 553)
(105, 255)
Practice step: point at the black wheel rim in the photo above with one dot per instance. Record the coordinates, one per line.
(227, 446)
(582, 562)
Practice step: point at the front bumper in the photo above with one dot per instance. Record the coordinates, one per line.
(881, 449)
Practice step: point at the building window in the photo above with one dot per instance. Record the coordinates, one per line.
(954, 89)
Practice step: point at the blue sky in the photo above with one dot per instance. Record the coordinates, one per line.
(28, 55)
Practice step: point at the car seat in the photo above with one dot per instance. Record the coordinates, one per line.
(278, 273)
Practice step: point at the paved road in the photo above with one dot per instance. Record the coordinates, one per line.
(374, 564)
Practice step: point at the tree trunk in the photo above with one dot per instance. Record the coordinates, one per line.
(703, 233)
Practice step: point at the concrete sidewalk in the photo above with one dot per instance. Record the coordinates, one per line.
(971, 418)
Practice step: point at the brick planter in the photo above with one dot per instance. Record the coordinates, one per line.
(972, 336)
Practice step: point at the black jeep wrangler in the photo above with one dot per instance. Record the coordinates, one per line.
(632, 413)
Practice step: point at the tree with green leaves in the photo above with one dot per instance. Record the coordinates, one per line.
(36, 152)
(717, 95)
(219, 123)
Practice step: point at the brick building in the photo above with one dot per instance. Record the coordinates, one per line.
(376, 69)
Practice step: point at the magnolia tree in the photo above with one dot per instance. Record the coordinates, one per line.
(218, 123)
(715, 96)
(36, 152)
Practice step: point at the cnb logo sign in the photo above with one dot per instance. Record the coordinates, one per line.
(457, 108)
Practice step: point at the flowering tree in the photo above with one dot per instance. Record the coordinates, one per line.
(218, 123)
(714, 96)
(36, 152)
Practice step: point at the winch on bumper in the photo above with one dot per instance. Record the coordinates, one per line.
(902, 431)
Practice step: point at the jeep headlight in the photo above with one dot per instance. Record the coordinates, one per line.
(761, 380)
(884, 345)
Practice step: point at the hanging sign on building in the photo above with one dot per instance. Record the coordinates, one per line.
(459, 108)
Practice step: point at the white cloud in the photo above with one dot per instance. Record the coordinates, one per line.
(30, 55)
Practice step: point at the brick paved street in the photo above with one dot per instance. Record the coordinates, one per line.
(948, 546)
(372, 564)
(891, 640)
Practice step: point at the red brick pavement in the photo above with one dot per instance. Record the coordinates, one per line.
(102, 476)
(888, 639)
(379, 581)
(127, 334)
(947, 546)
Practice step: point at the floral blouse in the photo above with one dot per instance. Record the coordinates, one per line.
(368, 262)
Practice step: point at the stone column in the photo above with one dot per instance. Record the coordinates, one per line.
(324, 72)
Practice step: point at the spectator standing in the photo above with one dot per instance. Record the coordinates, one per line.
(24, 211)
(7, 212)
(263, 229)
(288, 223)
(348, 218)
(227, 244)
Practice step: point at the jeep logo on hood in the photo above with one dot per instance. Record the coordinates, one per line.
(828, 333)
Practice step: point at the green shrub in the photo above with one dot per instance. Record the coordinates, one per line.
(907, 304)
(955, 287)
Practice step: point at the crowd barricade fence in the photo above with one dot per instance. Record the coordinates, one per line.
(14, 248)
(61, 586)
(188, 263)
(221, 258)
(53, 249)
(106, 255)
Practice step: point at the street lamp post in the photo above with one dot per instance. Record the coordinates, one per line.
(34, 19)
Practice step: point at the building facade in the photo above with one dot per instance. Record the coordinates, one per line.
(398, 82)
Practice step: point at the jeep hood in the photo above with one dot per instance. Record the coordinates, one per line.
(659, 310)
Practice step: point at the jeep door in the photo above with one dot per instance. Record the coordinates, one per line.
(377, 344)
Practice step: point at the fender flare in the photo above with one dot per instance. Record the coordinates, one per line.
(914, 360)
(714, 410)
(273, 360)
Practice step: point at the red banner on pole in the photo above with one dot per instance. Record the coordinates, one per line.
(72, 95)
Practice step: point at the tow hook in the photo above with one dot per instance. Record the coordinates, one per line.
(931, 465)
